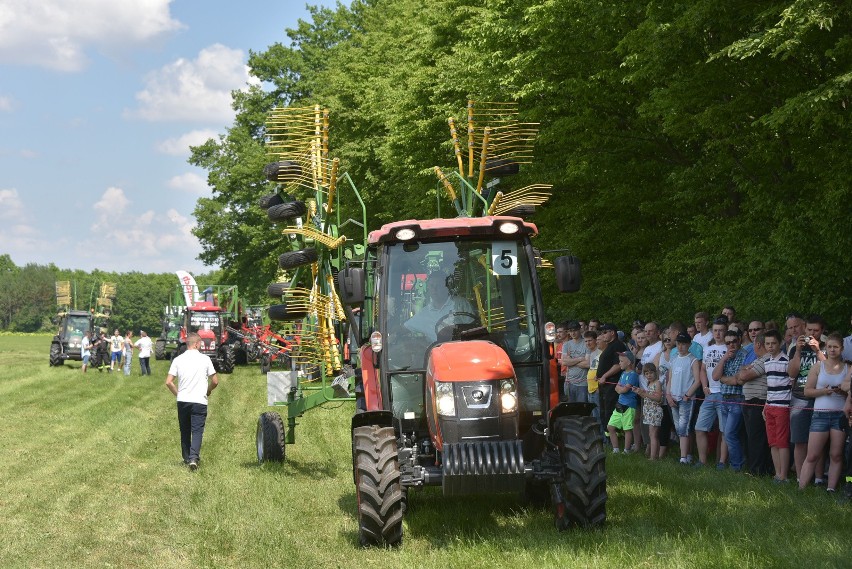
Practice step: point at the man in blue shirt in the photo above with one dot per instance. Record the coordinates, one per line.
(625, 410)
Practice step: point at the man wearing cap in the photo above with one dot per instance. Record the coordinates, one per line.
(609, 370)
(732, 397)
(683, 383)
(575, 364)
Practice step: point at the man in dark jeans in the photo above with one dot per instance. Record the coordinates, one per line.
(192, 370)
(609, 370)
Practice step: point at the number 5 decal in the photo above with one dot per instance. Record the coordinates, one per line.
(504, 257)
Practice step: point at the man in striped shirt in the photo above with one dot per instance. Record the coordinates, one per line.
(755, 381)
(779, 389)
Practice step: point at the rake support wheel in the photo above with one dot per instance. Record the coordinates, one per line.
(270, 438)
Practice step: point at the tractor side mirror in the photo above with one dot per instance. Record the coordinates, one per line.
(351, 284)
(568, 275)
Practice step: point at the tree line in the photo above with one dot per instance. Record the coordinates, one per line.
(28, 296)
(699, 151)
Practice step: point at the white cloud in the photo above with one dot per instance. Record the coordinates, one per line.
(112, 201)
(180, 146)
(56, 33)
(148, 240)
(6, 104)
(194, 90)
(11, 206)
(189, 182)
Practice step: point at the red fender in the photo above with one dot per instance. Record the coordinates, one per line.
(370, 380)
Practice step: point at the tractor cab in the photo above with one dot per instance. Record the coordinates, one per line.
(205, 319)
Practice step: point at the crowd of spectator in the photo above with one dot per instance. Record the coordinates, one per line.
(751, 395)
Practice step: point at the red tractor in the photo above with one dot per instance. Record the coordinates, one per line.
(208, 321)
(459, 383)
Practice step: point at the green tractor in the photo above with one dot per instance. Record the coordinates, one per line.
(453, 362)
(169, 340)
(74, 324)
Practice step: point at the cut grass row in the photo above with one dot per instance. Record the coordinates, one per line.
(91, 476)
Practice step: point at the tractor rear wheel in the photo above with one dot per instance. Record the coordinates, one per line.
(227, 358)
(293, 259)
(579, 499)
(55, 354)
(160, 349)
(286, 211)
(270, 438)
(377, 486)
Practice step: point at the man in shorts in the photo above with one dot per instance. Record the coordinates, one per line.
(116, 348)
(625, 409)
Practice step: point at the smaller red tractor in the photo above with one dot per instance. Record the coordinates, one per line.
(211, 319)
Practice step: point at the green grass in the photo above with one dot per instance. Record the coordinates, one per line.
(91, 476)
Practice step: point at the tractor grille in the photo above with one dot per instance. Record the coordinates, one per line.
(483, 467)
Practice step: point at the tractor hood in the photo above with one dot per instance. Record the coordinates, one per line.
(466, 361)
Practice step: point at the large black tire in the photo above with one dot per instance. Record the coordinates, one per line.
(180, 349)
(270, 438)
(55, 354)
(265, 363)
(269, 200)
(283, 171)
(286, 211)
(227, 358)
(377, 486)
(582, 490)
(160, 349)
(280, 313)
(293, 259)
(275, 290)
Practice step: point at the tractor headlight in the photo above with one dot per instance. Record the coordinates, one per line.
(445, 399)
(212, 344)
(376, 341)
(550, 332)
(508, 396)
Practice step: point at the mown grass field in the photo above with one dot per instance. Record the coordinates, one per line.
(91, 476)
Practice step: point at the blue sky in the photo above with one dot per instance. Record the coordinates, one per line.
(99, 102)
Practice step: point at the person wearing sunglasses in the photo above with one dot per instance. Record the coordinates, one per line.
(725, 372)
(754, 328)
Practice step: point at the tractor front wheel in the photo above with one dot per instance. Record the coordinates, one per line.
(579, 499)
(377, 486)
(270, 438)
(55, 354)
(160, 349)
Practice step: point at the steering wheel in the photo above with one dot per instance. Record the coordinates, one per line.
(440, 325)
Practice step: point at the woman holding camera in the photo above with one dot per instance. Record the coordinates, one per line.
(824, 384)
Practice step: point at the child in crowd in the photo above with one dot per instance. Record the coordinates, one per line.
(625, 410)
(652, 411)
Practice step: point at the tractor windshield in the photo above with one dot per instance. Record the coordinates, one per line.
(205, 321)
(444, 291)
(77, 326)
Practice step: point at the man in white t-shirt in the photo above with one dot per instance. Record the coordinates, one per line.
(703, 334)
(116, 349)
(655, 345)
(710, 412)
(192, 370)
(144, 345)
